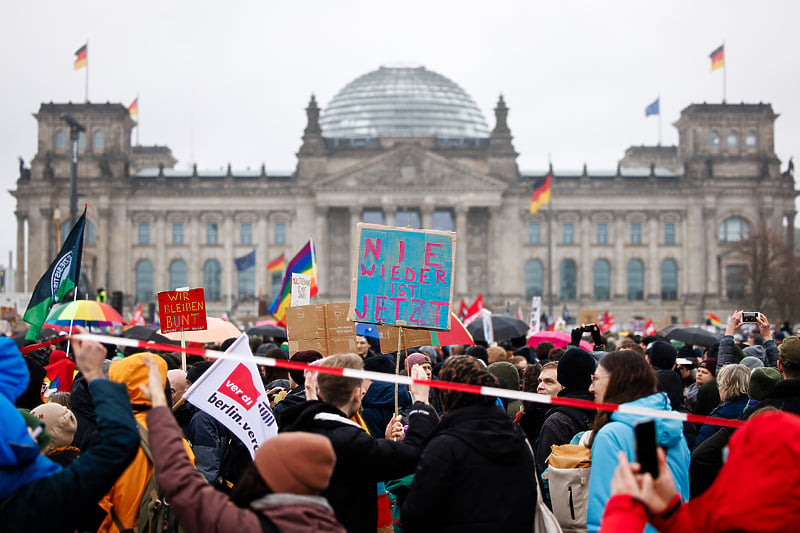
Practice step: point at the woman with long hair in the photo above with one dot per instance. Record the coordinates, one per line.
(625, 377)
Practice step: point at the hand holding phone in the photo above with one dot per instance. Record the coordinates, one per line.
(646, 444)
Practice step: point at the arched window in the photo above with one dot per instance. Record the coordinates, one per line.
(733, 139)
(602, 280)
(751, 139)
(144, 281)
(212, 280)
(713, 140)
(61, 140)
(178, 275)
(99, 142)
(247, 284)
(81, 140)
(669, 279)
(568, 274)
(735, 281)
(635, 279)
(534, 278)
(734, 229)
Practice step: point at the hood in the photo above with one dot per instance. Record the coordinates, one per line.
(668, 432)
(486, 429)
(300, 417)
(758, 351)
(132, 373)
(381, 394)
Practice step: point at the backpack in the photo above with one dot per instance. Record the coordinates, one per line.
(567, 473)
(155, 513)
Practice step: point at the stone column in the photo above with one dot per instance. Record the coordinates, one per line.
(585, 265)
(426, 212)
(161, 267)
(390, 214)
(710, 269)
(652, 265)
(193, 233)
(355, 218)
(322, 248)
(103, 239)
(261, 240)
(619, 265)
(20, 285)
(462, 249)
(230, 284)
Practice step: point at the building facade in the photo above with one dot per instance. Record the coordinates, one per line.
(407, 146)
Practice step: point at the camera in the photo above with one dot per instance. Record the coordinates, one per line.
(750, 316)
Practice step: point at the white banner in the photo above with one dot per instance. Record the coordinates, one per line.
(536, 314)
(488, 327)
(301, 290)
(233, 393)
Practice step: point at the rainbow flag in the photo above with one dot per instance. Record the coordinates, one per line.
(81, 56)
(717, 58)
(304, 262)
(276, 265)
(541, 195)
(712, 320)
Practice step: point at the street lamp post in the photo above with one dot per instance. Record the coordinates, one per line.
(75, 129)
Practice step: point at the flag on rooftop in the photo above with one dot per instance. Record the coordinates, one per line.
(541, 195)
(717, 58)
(81, 57)
(653, 109)
(133, 109)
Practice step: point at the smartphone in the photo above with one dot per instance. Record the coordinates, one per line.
(645, 433)
(750, 316)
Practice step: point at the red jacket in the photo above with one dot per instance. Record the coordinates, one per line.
(757, 490)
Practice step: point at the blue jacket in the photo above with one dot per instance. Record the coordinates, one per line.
(730, 409)
(377, 406)
(618, 436)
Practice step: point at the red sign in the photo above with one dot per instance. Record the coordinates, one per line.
(182, 310)
(239, 387)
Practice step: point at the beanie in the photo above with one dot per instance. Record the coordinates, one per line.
(710, 365)
(296, 462)
(752, 362)
(662, 355)
(790, 351)
(478, 352)
(762, 381)
(758, 351)
(507, 372)
(413, 359)
(575, 369)
(197, 370)
(379, 363)
(32, 421)
(59, 421)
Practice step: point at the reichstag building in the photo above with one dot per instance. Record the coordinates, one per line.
(401, 146)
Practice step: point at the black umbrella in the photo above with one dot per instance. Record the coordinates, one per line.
(693, 335)
(266, 331)
(142, 333)
(505, 327)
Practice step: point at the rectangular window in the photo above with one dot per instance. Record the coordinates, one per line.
(280, 233)
(568, 233)
(212, 233)
(144, 233)
(533, 233)
(602, 233)
(177, 234)
(669, 233)
(636, 233)
(247, 234)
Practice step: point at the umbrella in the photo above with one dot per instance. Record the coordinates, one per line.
(693, 335)
(84, 313)
(146, 333)
(457, 334)
(267, 330)
(367, 330)
(218, 331)
(560, 339)
(505, 327)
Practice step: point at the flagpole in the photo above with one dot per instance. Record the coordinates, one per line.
(86, 84)
(550, 247)
(138, 120)
(659, 119)
(724, 70)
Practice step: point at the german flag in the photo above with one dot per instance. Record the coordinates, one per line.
(81, 57)
(717, 58)
(133, 109)
(276, 265)
(541, 195)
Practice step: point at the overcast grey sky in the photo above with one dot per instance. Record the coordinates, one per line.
(228, 82)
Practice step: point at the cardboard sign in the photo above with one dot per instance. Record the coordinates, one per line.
(412, 338)
(321, 327)
(301, 290)
(403, 277)
(588, 316)
(182, 310)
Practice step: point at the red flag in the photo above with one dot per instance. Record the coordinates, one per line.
(686, 324)
(462, 309)
(650, 328)
(138, 317)
(606, 322)
(552, 327)
(474, 310)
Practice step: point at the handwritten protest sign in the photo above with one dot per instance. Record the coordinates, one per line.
(182, 310)
(321, 327)
(301, 289)
(403, 277)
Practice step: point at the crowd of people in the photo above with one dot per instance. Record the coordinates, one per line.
(101, 439)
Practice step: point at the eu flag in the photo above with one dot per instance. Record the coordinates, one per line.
(245, 262)
(652, 109)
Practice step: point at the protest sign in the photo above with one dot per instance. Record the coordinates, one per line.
(588, 316)
(301, 290)
(321, 327)
(232, 392)
(402, 277)
(536, 314)
(182, 310)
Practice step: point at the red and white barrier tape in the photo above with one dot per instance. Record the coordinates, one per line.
(406, 380)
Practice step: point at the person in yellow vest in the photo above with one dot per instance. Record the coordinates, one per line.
(101, 295)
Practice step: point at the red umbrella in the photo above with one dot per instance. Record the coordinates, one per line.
(457, 334)
(560, 339)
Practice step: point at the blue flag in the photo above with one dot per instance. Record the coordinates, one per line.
(652, 109)
(245, 262)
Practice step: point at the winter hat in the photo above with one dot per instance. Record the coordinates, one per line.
(32, 421)
(296, 462)
(263, 348)
(469, 370)
(707, 397)
(789, 351)
(506, 373)
(431, 352)
(478, 352)
(758, 351)
(762, 381)
(575, 369)
(413, 359)
(197, 370)
(752, 362)
(60, 371)
(710, 365)
(59, 421)
(379, 363)
(662, 355)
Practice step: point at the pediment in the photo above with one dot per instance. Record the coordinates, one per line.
(410, 168)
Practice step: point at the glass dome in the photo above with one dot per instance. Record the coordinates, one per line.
(402, 102)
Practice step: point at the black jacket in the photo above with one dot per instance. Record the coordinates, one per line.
(563, 423)
(476, 474)
(294, 397)
(361, 460)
